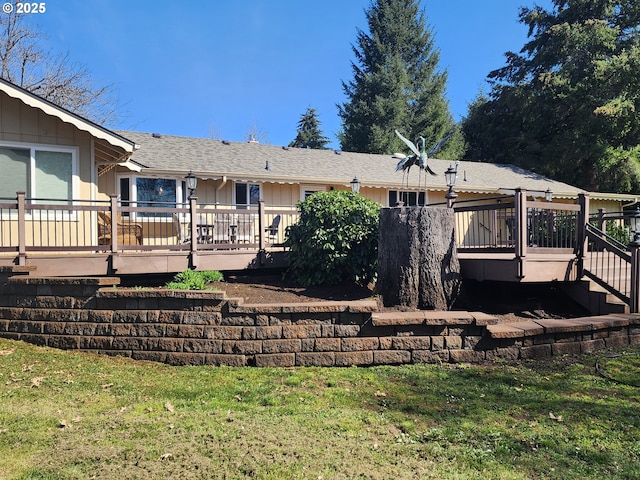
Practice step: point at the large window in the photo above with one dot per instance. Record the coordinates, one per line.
(41, 172)
(148, 192)
(247, 194)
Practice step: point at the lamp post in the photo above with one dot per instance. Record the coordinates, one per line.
(450, 176)
(634, 247)
(634, 224)
(192, 183)
(355, 185)
(548, 195)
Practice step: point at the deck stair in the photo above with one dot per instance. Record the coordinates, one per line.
(595, 298)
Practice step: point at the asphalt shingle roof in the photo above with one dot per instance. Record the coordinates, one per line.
(173, 155)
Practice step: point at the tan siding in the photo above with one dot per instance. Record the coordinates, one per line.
(24, 124)
(608, 205)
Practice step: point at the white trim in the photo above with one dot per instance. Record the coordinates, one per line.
(33, 147)
(133, 192)
(400, 192)
(247, 184)
(311, 188)
(49, 108)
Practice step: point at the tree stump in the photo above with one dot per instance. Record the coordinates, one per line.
(418, 263)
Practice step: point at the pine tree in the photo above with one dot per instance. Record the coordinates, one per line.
(396, 85)
(309, 133)
(566, 105)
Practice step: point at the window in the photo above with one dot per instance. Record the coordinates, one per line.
(308, 190)
(41, 172)
(148, 192)
(410, 199)
(247, 194)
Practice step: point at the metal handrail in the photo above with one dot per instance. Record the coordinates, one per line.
(608, 263)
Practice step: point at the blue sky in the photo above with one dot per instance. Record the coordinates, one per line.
(222, 67)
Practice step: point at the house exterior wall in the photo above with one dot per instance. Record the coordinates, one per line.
(29, 127)
(23, 124)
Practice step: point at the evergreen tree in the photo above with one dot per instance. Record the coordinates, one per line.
(309, 133)
(396, 85)
(566, 105)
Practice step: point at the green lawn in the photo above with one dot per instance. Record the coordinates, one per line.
(66, 415)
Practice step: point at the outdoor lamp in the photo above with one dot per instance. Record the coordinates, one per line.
(192, 183)
(355, 185)
(634, 223)
(548, 195)
(450, 176)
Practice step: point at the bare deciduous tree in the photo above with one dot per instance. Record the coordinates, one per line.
(26, 62)
(257, 134)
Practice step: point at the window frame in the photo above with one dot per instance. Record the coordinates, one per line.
(132, 201)
(32, 190)
(248, 186)
(306, 190)
(408, 193)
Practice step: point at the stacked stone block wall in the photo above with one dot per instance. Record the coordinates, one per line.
(204, 328)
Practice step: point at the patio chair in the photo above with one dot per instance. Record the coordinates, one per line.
(272, 230)
(129, 233)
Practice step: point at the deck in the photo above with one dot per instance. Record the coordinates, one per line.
(508, 239)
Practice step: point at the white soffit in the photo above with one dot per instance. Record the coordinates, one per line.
(49, 108)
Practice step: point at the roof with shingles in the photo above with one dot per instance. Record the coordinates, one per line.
(174, 155)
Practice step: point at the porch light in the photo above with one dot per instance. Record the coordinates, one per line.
(634, 223)
(192, 183)
(355, 185)
(450, 176)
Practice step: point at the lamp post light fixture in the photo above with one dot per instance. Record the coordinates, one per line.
(192, 183)
(634, 224)
(548, 195)
(450, 176)
(355, 185)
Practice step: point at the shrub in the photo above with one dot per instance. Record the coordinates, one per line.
(619, 232)
(194, 280)
(335, 240)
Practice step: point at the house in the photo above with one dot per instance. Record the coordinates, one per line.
(95, 201)
(49, 152)
(232, 173)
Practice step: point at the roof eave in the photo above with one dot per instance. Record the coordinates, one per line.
(35, 101)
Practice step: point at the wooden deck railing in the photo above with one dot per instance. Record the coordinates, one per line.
(45, 225)
(515, 224)
(608, 263)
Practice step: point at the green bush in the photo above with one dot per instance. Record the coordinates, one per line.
(335, 240)
(619, 232)
(194, 280)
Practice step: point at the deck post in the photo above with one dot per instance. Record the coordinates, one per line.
(22, 224)
(261, 224)
(634, 294)
(581, 231)
(521, 230)
(601, 214)
(262, 255)
(113, 208)
(193, 215)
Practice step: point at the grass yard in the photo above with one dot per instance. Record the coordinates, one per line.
(66, 415)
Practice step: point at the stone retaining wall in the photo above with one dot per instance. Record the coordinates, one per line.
(204, 328)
